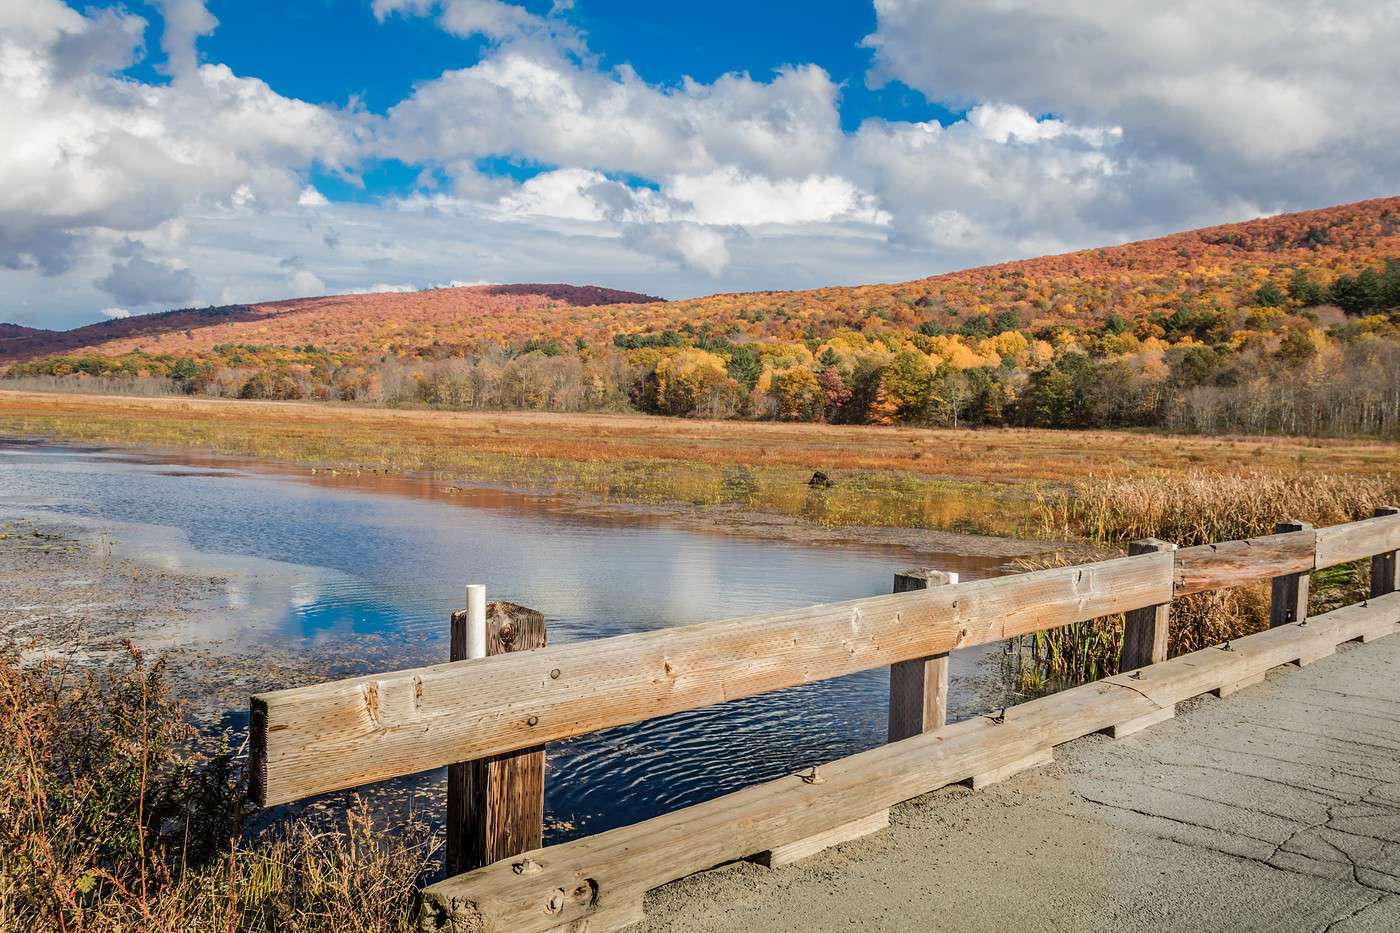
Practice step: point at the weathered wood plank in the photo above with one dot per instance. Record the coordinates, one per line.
(495, 805)
(1357, 540)
(804, 848)
(1145, 631)
(1230, 563)
(349, 732)
(1121, 730)
(918, 688)
(581, 880)
(1225, 690)
(1036, 759)
(1288, 597)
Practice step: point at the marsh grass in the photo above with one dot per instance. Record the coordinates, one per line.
(1190, 510)
(868, 497)
(116, 815)
(1208, 507)
(1087, 651)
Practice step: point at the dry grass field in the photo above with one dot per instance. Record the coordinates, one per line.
(985, 480)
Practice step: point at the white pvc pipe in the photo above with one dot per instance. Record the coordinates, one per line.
(476, 621)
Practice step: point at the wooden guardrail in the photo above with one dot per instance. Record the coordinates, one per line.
(348, 732)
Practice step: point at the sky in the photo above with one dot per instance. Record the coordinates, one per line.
(183, 153)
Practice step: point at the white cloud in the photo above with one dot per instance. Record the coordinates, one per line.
(185, 22)
(731, 196)
(84, 150)
(115, 313)
(494, 19)
(1164, 117)
(142, 281)
(305, 284)
(531, 101)
(691, 245)
(1286, 104)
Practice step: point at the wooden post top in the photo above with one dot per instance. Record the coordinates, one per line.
(919, 578)
(1149, 546)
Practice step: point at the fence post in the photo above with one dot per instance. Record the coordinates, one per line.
(1145, 631)
(495, 805)
(1289, 599)
(919, 688)
(1385, 568)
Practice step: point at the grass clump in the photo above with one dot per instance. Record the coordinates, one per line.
(117, 815)
(1075, 654)
(1209, 507)
(1190, 510)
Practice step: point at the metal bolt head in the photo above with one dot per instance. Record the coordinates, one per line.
(554, 674)
(533, 720)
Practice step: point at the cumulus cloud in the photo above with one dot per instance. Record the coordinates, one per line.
(141, 281)
(1256, 98)
(693, 245)
(185, 22)
(86, 150)
(535, 102)
(310, 197)
(115, 313)
(1084, 123)
(494, 19)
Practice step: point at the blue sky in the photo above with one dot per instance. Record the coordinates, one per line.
(183, 153)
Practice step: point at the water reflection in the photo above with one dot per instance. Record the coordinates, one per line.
(306, 558)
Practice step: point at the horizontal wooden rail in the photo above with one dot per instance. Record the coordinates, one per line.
(1339, 544)
(1230, 563)
(597, 883)
(344, 733)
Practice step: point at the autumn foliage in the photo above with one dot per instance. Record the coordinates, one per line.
(1285, 324)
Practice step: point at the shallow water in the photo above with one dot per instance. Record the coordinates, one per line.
(313, 558)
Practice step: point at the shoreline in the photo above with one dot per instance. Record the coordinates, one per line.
(721, 518)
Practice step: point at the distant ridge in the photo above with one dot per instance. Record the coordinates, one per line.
(347, 319)
(1219, 266)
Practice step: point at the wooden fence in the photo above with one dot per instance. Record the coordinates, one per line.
(336, 735)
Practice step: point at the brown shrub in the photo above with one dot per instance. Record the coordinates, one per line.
(115, 814)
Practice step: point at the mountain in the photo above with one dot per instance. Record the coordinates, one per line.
(1221, 267)
(1286, 324)
(19, 330)
(374, 322)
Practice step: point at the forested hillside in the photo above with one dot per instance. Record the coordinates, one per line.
(1287, 324)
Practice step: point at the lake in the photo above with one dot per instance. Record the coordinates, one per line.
(312, 560)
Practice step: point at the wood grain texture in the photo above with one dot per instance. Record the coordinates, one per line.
(349, 732)
(580, 881)
(1358, 540)
(1288, 597)
(495, 805)
(1145, 631)
(1121, 730)
(803, 848)
(918, 688)
(1044, 756)
(1230, 563)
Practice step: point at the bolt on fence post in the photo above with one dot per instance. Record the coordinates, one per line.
(919, 688)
